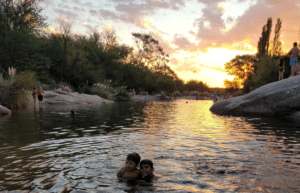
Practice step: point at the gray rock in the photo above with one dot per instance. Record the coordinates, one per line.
(277, 98)
(63, 97)
(4, 111)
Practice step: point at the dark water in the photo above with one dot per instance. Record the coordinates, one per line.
(192, 149)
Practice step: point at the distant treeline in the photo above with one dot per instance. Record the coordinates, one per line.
(81, 61)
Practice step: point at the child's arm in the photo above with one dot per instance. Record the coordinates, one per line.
(120, 173)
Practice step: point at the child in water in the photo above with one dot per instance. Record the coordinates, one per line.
(130, 171)
(146, 171)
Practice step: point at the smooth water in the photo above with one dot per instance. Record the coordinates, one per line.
(192, 149)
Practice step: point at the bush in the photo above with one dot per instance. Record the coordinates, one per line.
(26, 80)
(14, 91)
(115, 94)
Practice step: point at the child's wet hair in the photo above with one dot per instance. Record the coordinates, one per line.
(146, 162)
(135, 157)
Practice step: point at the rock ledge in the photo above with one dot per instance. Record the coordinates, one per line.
(277, 98)
(62, 97)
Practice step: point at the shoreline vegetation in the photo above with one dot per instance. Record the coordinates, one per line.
(94, 64)
(61, 100)
(16, 93)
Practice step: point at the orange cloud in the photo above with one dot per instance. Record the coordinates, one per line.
(144, 23)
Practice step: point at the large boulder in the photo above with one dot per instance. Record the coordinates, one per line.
(63, 97)
(4, 111)
(277, 98)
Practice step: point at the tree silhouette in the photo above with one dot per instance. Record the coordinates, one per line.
(242, 66)
(264, 40)
(277, 49)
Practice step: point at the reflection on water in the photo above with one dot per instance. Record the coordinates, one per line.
(192, 149)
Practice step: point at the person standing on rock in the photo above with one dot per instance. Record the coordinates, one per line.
(40, 93)
(293, 54)
(281, 69)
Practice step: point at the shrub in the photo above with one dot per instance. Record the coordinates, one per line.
(14, 91)
(115, 94)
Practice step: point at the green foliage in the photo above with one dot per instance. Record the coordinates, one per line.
(26, 80)
(19, 23)
(14, 91)
(115, 94)
(267, 71)
(81, 61)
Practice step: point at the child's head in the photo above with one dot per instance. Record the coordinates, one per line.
(146, 167)
(132, 160)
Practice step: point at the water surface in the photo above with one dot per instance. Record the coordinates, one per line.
(192, 149)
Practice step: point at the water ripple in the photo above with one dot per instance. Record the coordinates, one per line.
(192, 149)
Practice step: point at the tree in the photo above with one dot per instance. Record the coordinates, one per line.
(195, 85)
(231, 86)
(242, 66)
(264, 40)
(150, 53)
(20, 23)
(277, 49)
(65, 29)
(21, 15)
(267, 72)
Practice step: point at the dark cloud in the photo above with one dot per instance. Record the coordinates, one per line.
(132, 11)
(91, 29)
(78, 9)
(177, 4)
(93, 12)
(66, 14)
(106, 14)
(182, 42)
(48, 2)
(65, 7)
(89, 4)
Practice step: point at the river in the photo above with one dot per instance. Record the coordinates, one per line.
(193, 150)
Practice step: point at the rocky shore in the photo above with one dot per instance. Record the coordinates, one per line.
(280, 98)
(66, 101)
(64, 98)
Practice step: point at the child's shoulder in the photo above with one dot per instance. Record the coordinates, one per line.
(156, 177)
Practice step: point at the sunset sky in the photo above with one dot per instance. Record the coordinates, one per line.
(199, 35)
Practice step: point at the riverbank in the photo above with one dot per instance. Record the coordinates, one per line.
(66, 101)
(280, 98)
